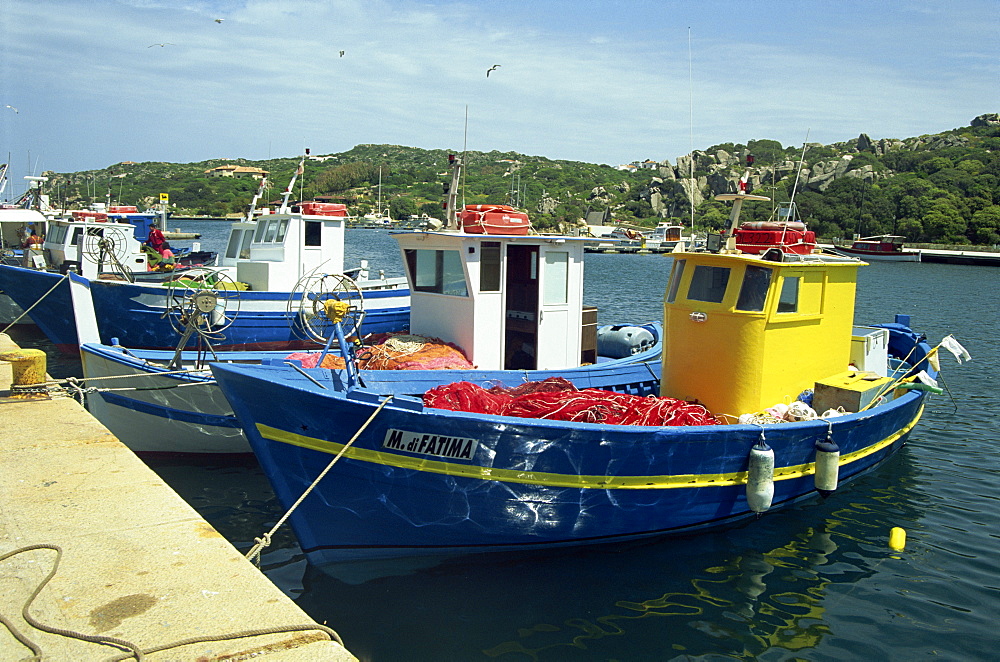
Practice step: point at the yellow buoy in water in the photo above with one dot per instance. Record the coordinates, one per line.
(897, 539)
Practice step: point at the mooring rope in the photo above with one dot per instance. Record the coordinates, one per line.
(135, 652)
(31, 307)
(265, 540)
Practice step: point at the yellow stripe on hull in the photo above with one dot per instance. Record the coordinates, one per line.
(564, 480)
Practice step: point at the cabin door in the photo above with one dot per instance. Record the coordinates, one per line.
(555, 337)
(521, 319)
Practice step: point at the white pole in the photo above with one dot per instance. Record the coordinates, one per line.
(691, 129)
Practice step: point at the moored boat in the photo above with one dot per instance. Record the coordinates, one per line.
(268, 255)
(885, 247)
(415, 479)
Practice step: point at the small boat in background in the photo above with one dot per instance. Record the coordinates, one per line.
(664, 236)
(884, 247)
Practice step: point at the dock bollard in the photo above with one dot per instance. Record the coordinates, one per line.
(28, 371)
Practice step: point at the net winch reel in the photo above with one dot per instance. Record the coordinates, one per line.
(203, 303)
(107, 245)
(324, 307)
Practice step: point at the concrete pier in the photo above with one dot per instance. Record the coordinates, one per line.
(137, 563)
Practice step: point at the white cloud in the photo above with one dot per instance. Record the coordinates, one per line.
(595, 84)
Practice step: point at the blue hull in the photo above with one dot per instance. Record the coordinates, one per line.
(133, 314)
(424, 481)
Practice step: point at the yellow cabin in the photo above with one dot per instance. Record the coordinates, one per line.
(744, 332)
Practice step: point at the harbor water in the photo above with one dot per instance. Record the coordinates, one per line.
(817, 581)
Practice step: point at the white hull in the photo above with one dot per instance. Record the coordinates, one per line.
(871, 256)
(156, 430)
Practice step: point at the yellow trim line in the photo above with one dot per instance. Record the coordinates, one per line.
(563, 480)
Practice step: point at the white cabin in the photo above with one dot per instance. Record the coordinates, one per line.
(13, 224)
(93, 247)
(273, 252)
(510, 302)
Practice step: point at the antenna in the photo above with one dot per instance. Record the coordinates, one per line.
(691, 130)
(465, 150)
(795, 186)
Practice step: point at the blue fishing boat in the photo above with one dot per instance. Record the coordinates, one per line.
(749, 340)
(269, 259)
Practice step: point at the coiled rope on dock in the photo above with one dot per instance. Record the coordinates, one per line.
(134, 650)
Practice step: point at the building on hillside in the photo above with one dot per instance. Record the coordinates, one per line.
(239, 172)
(598, 217)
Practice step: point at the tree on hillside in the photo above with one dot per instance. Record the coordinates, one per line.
(984, 226)
(943, 223)
(766, 151)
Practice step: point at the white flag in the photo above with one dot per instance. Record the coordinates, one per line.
(953, 346)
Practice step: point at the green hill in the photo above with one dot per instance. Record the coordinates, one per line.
(942, 188)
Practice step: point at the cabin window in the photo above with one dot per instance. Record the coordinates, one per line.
(556, 277)
(788, 302)
(77, 233)
(313, 230)
(489, 267)
(708, 284)
(245, 247)
(261, 226)
(234, 243)
(272, 231)
(439, 272)
(675, 280)
(753, 291)
(57, 234)
(282, 230)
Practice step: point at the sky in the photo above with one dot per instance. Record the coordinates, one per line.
(97, 82)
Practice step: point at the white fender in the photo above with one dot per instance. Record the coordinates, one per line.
(760, 477)
(827, 465)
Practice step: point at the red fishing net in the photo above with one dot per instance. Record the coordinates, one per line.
(556, 398)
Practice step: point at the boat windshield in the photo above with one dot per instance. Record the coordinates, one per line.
(708, 283)
(437, 271)
(753, 291)
(675, 280)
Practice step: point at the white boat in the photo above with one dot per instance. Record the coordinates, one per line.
(885, 247)
(664, 236)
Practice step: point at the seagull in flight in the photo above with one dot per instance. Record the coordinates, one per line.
(341, 53)
(11, 107)
(166, 43)
(493, 68)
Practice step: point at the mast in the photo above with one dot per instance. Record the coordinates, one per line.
(284, 209)
(691, 129)
(256, 196)
(451, 206)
